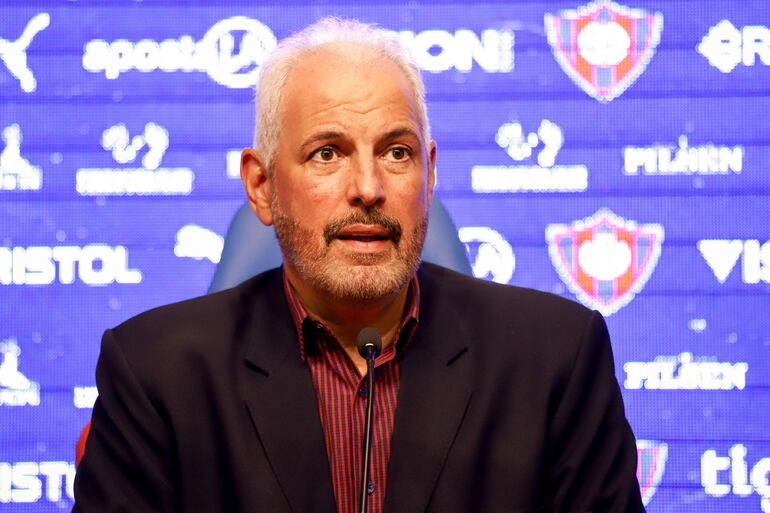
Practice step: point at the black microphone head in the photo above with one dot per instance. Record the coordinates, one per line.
(369, 339)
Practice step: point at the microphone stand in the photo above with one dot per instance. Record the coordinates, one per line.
(367, 434)
(369, 344)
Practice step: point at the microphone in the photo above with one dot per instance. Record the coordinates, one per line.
(369, 344)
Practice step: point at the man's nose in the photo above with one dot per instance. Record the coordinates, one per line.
(365, 187)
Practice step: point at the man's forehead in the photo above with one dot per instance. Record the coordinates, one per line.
(350, 75)
(338, 58)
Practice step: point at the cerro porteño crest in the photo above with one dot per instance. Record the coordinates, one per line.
(650, 465)
(603, 259)
(603, 46)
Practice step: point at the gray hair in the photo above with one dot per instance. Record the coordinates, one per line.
(334, 32)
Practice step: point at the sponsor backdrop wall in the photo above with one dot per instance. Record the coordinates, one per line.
(614, 153)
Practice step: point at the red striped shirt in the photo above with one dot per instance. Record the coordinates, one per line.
(341, 394)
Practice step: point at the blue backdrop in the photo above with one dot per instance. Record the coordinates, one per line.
(615, 153)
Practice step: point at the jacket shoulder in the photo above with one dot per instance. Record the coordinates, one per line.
(194, 325)
(486, 296)
(503, 322)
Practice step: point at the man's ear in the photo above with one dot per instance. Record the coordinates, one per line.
(431, 171)
(257, 184)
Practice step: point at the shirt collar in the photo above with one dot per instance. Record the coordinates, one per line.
(309, 329)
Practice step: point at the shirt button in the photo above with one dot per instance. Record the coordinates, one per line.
(370, 487)
(363, 390)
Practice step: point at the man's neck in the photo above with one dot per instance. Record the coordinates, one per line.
(346, 318)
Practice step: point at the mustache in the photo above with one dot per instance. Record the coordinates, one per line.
(371, 217)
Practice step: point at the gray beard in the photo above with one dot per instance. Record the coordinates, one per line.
(363, 280)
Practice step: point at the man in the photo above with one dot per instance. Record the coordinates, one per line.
(489, 398)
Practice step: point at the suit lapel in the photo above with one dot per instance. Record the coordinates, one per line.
(282, 403)
(433, 396)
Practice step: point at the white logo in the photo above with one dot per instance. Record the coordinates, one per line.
(229, 61)
(440, 50)
(125, 149)
(15, 388)
(233, 164)
(726, 47)
(494, 258)
(148, 179)
(705, 159)
(683, 372)
(722, 256)
(546, 176)
(739, 480)
(96, 265)
(233, 49)
(603, 43)
(605, 257)
(193, 241)
(84, 397)
(30, 481)
(14, 53)
(16, 173)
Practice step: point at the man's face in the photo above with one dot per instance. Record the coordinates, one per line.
(352, 177)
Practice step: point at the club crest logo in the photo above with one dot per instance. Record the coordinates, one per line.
(603, 259)
(603, 47)
(650, 465)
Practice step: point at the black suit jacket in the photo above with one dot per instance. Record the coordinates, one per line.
(508, 403)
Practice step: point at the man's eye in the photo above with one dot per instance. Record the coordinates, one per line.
(399, 153)
(325, 154)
